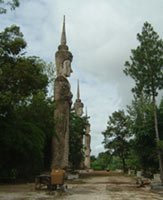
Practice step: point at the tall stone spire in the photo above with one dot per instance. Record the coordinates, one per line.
(86, 113)
(63, 36)
(78, 105)
(63, 101)
(78, 91)
(87, 143)
(63, 54)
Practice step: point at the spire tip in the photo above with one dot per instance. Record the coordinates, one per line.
(78, 90)
(63, 36)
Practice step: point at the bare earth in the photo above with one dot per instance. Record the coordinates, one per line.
(112, 187)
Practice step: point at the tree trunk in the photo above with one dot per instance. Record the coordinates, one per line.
(157, 138)
(124, 165)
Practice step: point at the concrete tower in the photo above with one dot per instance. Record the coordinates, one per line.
(78, 105)
(63, 101)
(87, 143)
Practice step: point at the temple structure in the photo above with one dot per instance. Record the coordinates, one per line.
(87, 144)
(63, 101)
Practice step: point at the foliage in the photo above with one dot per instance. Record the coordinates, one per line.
(26, 114)
(12, 4)
(101, 162)
(160, 146)
(146, 68)
(77, 131)
(40, 112)
(93, 158)
(142, 127)
(117, 134)
(20, 76)
(115, 163)
(133, 160)
(106, 161)
(12, 42)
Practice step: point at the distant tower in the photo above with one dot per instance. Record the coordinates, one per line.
(63, 101)
(87, 143)
(78, 105)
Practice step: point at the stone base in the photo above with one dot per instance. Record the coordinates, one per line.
(157, 187)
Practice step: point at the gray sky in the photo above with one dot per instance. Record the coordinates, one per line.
(100, 35)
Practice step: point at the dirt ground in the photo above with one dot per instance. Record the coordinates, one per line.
(110, 187)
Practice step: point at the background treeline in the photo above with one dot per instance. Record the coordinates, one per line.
(130, 139)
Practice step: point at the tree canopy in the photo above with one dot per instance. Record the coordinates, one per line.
(146, 65)
(77, 131)
(26, 113)
(142, 127)
(117, 134)
(146, 68)
(4, 4)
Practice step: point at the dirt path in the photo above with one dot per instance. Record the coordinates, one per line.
(111, 187)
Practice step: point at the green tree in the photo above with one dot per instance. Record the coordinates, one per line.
(115, 163)
(20, 76)
(26, 114)
(40, 113)
(5, 3)
(117, 134)
(26, 135)
(133, 160)
(146, 68)
(142, 127)
(77, 131)
(93, 158)
(101, 162)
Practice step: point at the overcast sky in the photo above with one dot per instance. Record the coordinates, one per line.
(100, 35)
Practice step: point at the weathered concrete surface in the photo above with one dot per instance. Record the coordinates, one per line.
(78, 105)
(63, 101)
(112, 187)
(87, 146)
(60, 144)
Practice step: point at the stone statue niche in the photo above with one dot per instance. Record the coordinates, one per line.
(63, 101)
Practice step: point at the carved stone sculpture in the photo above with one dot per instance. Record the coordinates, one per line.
(78, 104)
(63, 101)
(87, 145)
